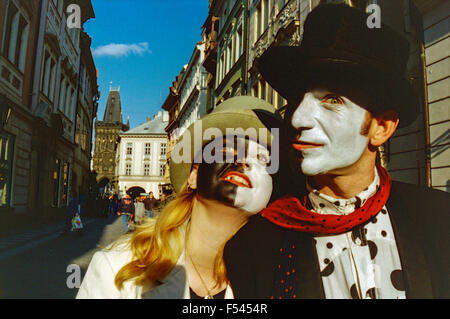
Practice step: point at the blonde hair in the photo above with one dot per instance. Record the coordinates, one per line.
(157, 245)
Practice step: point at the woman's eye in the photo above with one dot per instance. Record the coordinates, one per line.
(263, 158)
(228, 150)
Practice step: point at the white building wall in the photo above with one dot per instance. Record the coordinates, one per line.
(137, 161)
(437, 56)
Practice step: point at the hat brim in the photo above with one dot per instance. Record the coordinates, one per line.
(291, 70)
(253, 122)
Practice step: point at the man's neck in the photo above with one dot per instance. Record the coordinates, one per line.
(346, 183)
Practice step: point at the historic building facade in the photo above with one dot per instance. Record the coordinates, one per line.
(106, 141)
(231, 69)
(86, 111)
(141, 158)
(40, 58)
(172, 106)
(193, 91)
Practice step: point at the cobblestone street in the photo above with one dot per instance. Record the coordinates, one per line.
(33, 264)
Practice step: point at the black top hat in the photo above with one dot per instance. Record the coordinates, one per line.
(339, 47)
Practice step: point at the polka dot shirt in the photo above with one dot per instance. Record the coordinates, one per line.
(364, 262)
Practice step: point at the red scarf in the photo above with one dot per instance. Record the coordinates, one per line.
(289, 212)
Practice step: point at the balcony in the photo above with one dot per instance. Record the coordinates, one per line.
(283, 28)
(211, 27)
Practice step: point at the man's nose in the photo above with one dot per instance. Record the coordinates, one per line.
(305, 114)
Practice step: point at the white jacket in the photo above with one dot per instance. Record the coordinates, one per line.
(98, 282)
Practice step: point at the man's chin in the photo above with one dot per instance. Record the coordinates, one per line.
(312, 169)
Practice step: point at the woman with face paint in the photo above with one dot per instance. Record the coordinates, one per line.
(221, 180)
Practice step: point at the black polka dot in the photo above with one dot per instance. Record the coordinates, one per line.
(326, 261)
(397, 280)
(359, 237)
(328, 270)
(336, 203)
(354, 292)
(329, 245)
(384, 211)
(383, 233)
(374, 220)
(373, 249)
(322, 205)
(370, 293)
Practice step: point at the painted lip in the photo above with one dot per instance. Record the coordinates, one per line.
(301, 145)
(237, 179)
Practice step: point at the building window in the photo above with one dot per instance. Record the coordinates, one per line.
(148, 149)
(163, 149)
(77, 129)
(51, 92)
(55, 177)
(128, 169)
(266, 15)
(62, 94)
(258, 21)
(84, 134)
(17, 28)
(162, 169)
(146, 169)
(6, 149)
(239, 43)
(64, 198)
(281, 4)
(229, 56)
(129, 148)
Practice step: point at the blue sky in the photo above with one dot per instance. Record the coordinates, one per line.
(143, 45)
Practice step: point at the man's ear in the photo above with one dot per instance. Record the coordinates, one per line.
(383, 127)
(192, 180)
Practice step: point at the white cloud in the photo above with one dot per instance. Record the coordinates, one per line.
(120, 50)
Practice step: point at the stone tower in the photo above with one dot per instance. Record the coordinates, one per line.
(106, 141)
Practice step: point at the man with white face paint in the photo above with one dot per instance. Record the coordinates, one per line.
(351, 232)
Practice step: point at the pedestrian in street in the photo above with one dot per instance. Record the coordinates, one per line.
(126, 209)
(150, 204)
(72, 209)
(352, 232)
(140, 210)
(178, 254)
(114, 204)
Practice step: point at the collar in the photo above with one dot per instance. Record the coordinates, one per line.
(325, 204)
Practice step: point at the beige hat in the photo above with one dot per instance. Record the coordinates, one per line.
(241, 112)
